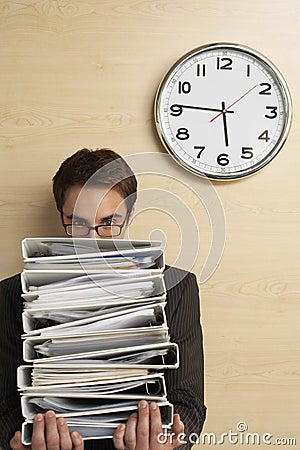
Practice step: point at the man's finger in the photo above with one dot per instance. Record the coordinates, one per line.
(143, 426)
(178, 426)
(178, 431)
(77, 441)
(64, 434)
(130, 432)
(52, 436)
(38, 433)
(118, 437)
(155, 425)
(16, 442)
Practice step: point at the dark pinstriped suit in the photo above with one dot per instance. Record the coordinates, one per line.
(184, 385)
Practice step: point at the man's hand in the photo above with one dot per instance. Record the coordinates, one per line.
(143, 431)
(49, 433)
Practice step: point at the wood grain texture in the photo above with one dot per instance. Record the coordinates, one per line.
(84, 74)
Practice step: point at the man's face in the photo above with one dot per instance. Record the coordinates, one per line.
(95, 205)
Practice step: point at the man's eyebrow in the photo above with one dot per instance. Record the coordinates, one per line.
(81, 219)
(111, 216)
(73, 217)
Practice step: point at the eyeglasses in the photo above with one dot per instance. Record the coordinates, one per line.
(105, 231)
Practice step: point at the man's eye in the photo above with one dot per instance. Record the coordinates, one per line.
(78, 224)
(108, 222)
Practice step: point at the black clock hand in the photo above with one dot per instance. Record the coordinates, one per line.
(225, 125)
(232, 104)
(176, 109)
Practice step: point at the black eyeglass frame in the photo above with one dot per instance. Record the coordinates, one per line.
(97, 227)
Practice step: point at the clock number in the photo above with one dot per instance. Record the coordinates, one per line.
(184, 87)
(176, 110)
(201, 70)
(247, 153)
(267, 89)
(227, 63)
(264, 136)
(182, 134)
(222, 159)
(196, 147)
(273, 112)
(248, 70)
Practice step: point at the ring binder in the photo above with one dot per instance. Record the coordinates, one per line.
(95, 336)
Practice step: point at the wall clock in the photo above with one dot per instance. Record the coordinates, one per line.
(223, 111)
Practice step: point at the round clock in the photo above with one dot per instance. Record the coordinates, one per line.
(223, 111)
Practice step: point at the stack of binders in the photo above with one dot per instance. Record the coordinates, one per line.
(96, 339)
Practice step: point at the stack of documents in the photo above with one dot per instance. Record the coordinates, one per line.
(96, 339)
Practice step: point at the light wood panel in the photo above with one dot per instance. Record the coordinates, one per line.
(84, 73)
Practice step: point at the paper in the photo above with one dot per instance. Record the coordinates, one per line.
(130, 386)
(95, 332)
(132, 317)
(89, 253)
(102, 423)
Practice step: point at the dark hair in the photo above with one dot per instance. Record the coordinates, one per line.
(83, 166)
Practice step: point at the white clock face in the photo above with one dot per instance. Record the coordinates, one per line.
(223, 111)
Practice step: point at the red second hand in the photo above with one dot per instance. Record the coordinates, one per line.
(246, 93)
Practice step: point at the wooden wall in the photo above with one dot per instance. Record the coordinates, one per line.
(78, 73)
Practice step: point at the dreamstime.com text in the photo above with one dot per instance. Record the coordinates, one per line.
(240, 436)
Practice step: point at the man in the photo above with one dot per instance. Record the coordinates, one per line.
(95, 192)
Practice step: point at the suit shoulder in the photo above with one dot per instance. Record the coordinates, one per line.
(11, 284)
(175, 277)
